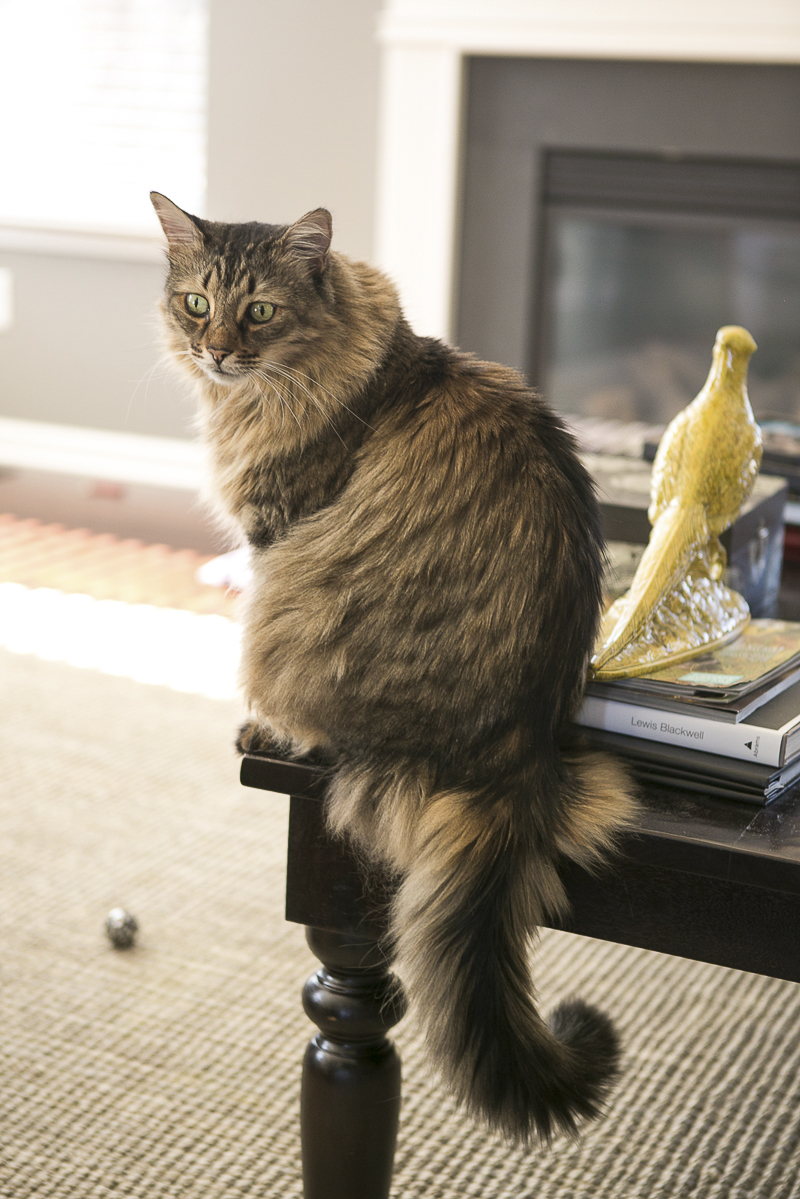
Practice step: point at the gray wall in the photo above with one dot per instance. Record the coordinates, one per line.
(83, 349)
(292, 125)
(293, 113)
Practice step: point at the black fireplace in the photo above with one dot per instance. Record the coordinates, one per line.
(615, 214)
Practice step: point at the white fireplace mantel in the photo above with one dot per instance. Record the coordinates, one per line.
(424, 43)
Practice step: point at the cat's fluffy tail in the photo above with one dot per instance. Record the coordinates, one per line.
(475, 887)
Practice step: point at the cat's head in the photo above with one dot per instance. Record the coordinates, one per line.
(241, 297)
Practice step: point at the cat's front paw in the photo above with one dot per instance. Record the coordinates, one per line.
(254, 738)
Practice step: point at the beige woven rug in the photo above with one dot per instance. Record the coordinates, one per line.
(173, 1069)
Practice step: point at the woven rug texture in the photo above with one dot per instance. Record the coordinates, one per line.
(172, 1069)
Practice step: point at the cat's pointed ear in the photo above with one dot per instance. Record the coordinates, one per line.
(309, 239)
(179, 227)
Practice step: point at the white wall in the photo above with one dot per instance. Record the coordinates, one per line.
(292, 125)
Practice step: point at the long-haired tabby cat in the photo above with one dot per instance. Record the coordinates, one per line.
(426, 589)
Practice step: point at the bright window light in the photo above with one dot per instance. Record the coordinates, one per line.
(183, 650)
(101, 101)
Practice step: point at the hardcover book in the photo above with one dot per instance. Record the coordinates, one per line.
(694, 770)
(770, 735)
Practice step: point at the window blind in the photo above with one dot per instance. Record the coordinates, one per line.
(100, 102)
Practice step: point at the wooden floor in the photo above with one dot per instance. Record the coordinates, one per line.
(104, 566)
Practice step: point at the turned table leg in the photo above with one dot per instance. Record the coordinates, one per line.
(350, 1096)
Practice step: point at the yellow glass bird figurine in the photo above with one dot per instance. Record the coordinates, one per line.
(704, 470)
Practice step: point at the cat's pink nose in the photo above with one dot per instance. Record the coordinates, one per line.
(218, 355)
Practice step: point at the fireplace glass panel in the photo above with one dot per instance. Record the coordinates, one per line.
(632, 304)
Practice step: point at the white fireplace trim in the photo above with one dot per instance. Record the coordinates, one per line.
(424, 44)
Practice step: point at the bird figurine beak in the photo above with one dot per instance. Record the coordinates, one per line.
(704, 470)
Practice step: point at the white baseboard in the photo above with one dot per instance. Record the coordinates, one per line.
(101, 454)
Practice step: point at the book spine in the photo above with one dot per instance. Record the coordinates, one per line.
(745, 741)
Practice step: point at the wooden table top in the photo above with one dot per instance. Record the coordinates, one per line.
(680, 830)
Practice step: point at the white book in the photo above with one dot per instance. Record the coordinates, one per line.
(771, 735)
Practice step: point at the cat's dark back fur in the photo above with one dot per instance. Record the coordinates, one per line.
(427, 563)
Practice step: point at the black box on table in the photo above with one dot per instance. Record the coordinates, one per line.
(753, 543)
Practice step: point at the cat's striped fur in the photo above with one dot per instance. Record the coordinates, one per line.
(427, 566)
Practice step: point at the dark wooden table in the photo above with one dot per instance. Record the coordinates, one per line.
(699, 877)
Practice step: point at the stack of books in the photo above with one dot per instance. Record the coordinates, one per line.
(726, 722)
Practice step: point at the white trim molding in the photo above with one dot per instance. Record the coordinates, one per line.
(81, 243)
(418, 157)
(101, 454)
(424, 43)
(705, 30)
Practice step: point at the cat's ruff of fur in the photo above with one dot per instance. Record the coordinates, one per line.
(426, 591)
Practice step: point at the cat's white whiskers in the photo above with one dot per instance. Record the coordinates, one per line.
(325, 416)
(263, 396)
(282, 394)
(285, 373)
(298, 375)
(285, 405)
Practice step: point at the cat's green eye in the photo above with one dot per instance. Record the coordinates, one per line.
(261, 312)
(196, 305)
